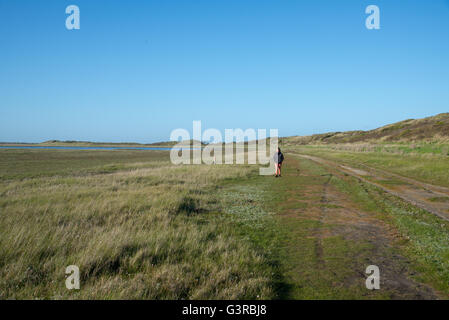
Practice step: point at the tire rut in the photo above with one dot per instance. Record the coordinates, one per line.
(318, 235)
(416, 193)
(347, 220)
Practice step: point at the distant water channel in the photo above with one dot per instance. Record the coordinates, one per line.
(85, 148)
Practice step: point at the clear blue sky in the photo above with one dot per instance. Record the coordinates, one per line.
(136, 70)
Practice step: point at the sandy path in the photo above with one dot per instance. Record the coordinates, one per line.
(423, 195)
(331, 215)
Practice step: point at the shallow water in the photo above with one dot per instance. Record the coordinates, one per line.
(84, 148)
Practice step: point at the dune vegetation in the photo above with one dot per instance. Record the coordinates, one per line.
(140, 227)
(136, 226)
(434, 129)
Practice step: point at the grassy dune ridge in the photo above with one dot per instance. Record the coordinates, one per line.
(140, 229)
(430, 129)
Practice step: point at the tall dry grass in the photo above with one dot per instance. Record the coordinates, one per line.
(150, 230)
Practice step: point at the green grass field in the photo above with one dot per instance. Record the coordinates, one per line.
(139, 227)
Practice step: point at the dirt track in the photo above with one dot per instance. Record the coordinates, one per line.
(420, 194)
(332, 240)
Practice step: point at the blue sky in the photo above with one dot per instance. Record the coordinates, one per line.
(136, 70)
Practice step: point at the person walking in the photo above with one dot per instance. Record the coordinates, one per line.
(278, 159)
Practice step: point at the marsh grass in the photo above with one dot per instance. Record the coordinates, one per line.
(140, 228)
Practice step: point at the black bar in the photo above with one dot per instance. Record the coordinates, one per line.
(233, 309)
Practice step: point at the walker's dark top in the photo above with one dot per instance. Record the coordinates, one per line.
(278, 157)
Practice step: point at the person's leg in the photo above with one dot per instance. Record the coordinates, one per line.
(280, 165)
(276, 166)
